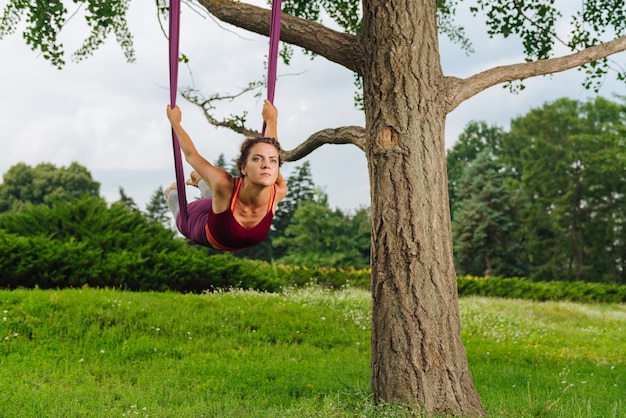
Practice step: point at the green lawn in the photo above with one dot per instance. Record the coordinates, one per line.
(304, 353)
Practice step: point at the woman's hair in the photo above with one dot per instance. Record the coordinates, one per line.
(249, 143)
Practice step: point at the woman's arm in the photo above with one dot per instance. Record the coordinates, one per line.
(217, 179)
(281, 190)
(270, 117)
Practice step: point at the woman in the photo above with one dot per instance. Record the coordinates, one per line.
(234, 212)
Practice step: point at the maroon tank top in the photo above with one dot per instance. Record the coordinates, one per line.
(225, 233)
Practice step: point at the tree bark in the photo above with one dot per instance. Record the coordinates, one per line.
(417, 354)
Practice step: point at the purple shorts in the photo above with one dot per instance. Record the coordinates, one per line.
(197, 216)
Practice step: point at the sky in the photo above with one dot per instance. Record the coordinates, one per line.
(109, 115)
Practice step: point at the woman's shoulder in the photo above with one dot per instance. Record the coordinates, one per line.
(223, 186)
(280, 194)
(281, 188)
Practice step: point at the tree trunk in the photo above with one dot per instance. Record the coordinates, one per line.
(417, 354)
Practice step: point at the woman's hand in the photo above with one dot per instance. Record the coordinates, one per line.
(174, 115)
(269, 113)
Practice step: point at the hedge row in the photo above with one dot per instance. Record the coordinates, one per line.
(519, 288)
(38, 261)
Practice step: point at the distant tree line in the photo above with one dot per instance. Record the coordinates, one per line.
(546, 200)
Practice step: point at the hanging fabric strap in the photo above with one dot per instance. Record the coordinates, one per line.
(174, 34)
(178, 160)
(273, 52)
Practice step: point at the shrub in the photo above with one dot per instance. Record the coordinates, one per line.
(520, 288)
(324, 276)
(89, 243)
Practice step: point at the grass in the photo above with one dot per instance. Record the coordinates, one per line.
(304, 353)
(553, 359)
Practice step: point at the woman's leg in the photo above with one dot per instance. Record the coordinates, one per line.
(205, 190)
(197, 181)
(171, 196)
(197, 214)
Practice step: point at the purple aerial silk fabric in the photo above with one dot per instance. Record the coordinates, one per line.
(174, 31)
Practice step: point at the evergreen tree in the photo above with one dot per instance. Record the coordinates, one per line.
(157, 210)
(486, 228)
(92, 222)
(231, 168)
(300, 187)
(221, 162)
(321, 236)
(475, 138)
(126, 201)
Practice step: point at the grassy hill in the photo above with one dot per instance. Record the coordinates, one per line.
(301, 353)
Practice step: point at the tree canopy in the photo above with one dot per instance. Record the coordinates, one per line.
(572, 166)
(45, 19)
(45, 184)
(554, 186)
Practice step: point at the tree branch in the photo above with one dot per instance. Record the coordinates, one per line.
(338, 47)
(345, 135)
(235, 122)
(460, 90)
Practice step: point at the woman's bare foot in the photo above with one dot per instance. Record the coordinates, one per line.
(169, 189)
(194, 178)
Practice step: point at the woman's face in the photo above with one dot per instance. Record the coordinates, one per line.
(262, 165)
